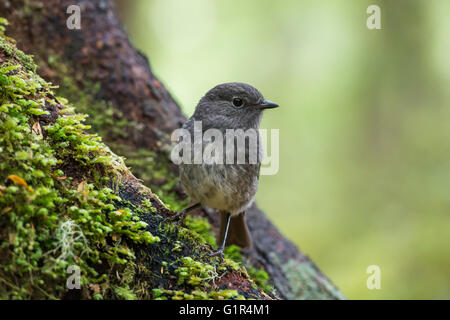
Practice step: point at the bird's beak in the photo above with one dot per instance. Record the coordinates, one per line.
(266, 104)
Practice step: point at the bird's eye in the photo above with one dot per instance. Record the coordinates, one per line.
(238, 102)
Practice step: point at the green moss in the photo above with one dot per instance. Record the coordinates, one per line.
(163, 294)
(8, 46)
(200, 228)
(50, 220)
(147, 205)
(233, 252)
(259, 276)
(125, 293)
(103, 119)
(195, 272)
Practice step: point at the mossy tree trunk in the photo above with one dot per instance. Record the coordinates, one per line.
(102, 75)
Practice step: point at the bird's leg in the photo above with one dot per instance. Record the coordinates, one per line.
(219, 252)
(180, 215)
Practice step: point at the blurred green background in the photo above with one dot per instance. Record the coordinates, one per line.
(364, 173)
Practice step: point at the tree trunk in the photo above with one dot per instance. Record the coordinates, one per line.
(102, 75)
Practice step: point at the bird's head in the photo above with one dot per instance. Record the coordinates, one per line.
(232, 105)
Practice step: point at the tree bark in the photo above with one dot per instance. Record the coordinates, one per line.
(100, 53)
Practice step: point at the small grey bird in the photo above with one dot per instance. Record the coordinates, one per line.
(227, 187)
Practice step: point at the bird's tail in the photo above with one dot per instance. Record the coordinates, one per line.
(238, 233)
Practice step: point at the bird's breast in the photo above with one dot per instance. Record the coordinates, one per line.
(224, 187)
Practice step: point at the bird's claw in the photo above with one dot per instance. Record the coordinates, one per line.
(218, 252)
(177, 216)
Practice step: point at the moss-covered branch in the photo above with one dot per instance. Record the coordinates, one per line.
(67, 200)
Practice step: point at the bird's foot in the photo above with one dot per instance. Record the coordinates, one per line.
(179, 216)
(218, 252)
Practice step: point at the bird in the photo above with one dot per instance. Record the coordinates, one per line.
(226, 184)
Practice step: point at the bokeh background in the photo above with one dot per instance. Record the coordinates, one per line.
(364, 173)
